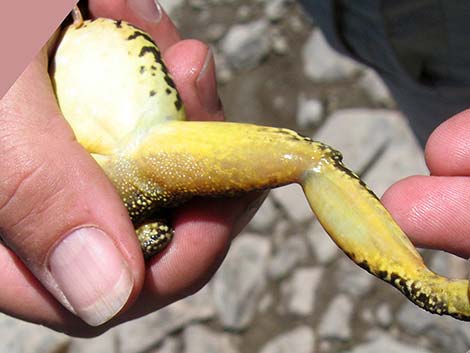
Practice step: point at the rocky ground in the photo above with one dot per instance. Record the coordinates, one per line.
(285, 287)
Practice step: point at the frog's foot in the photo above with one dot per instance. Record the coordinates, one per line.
(154, 237)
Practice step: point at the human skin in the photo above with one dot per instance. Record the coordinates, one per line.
(433, 210)
(67, 190)
(52, 187)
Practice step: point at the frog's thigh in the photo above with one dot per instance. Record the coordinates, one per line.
(154, 237)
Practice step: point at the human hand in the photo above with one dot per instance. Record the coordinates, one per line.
(434, 210)
(69, 241)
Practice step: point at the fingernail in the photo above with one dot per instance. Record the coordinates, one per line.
(149, 10)
(206, 85)
(92, 275)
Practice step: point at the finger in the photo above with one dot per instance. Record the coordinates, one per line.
(448, 148)
(433, 211)
(192, 67)
(24, 297)
(146, 14)
(204, 229)
(58, 211)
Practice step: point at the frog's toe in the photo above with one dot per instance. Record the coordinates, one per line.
(154, 237)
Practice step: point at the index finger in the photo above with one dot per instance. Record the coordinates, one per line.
(448, 148)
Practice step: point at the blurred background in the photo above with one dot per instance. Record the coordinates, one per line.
(284, 286)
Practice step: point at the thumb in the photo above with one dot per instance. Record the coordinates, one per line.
(58, 212)
(433, 211)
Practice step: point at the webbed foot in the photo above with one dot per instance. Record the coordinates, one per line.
(154, 237)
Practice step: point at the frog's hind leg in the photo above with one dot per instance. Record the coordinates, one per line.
(367, 233)
(154, 237)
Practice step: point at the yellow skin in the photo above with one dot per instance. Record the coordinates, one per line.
(117, 95)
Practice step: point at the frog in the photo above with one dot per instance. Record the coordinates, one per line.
(115, 91)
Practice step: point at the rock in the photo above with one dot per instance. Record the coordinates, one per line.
(290, 254)
(279, 102)
(196, 4)
(336, 322)
(280, 233)
(279, 44)
(170, 5)
(414, 319)
(386, 344)
(245, 45)
(321, 244)
(238, 284)
(392, 151)
(375, 88)
(309, 112)
(452, 335)
(215, 31)
(140, 335)
(296, 25)
(199, 339)
(265, 303)
(384, 315)
(244, 13)
(300, 290)
(293, 202)
(223, 69)
(367, 316)
(274, 10)
(169, 345)
(299, 340)
(265, 217)
(23, 337)
(402, 157)
(448, 265)
(359, 134)
(352, 279)
(106, 342)
(393, 166)
(322, 63)
(463, 332)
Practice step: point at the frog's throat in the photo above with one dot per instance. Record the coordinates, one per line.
(185, 159)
